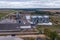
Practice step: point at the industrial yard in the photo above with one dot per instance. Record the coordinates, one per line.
(27, 24)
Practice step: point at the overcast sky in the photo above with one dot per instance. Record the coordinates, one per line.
(29, 3)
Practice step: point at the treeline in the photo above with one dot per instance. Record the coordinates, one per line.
(45, 13)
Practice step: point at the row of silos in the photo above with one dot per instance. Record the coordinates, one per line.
(40, 19)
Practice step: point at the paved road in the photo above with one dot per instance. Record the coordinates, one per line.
(34, 36)
(20, 33)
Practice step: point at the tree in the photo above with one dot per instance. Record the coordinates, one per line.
(39, 29)
(53, 35)
(50, 34)
(58, 38)
(47, 31)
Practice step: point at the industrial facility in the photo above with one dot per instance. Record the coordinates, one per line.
(19, 21)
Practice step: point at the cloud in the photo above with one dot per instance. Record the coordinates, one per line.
(30, 4)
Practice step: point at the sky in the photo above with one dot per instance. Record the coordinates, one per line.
(29, 3)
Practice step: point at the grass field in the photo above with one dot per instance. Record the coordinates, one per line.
(2, 14)
(52, 27)
(5, 12)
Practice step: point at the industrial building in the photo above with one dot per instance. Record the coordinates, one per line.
(19, 21)
(40, 20)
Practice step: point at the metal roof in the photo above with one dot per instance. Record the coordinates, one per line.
(39, 16)
(33, 16)
(11, 27)
(46, 16)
